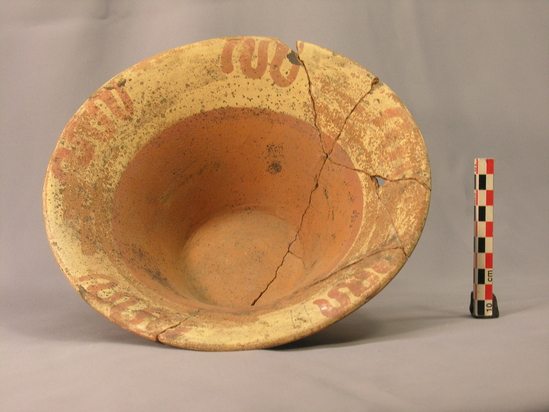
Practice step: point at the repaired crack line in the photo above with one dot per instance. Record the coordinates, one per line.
(288, 252)
(191, 315)
(373, 177)
(313, 102)
(358, 261)
(325, 160)
(317, 178)
(373, 82)
(167, 329)
(392, 222)
(382, 177)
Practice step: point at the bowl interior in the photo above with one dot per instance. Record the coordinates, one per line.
(218, 209)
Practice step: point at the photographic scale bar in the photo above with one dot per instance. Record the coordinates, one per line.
(483, 301)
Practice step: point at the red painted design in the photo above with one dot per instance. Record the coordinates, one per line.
(282, 52)
(94, 122)
(75, 158)
(104, 122)
(393, 123)
(247, 49)
(91, 124)
(361, 284)
(227, 55)
(394, 112)
(121, 303)
(358, 286)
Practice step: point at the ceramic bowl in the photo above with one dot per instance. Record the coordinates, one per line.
(235, 194)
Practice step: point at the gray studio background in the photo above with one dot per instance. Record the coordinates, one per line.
(474, 74)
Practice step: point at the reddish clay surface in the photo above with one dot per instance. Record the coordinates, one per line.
(211, 210)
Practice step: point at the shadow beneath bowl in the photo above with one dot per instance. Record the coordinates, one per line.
(375, 325)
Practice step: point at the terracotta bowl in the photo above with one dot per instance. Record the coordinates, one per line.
(235, 194)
